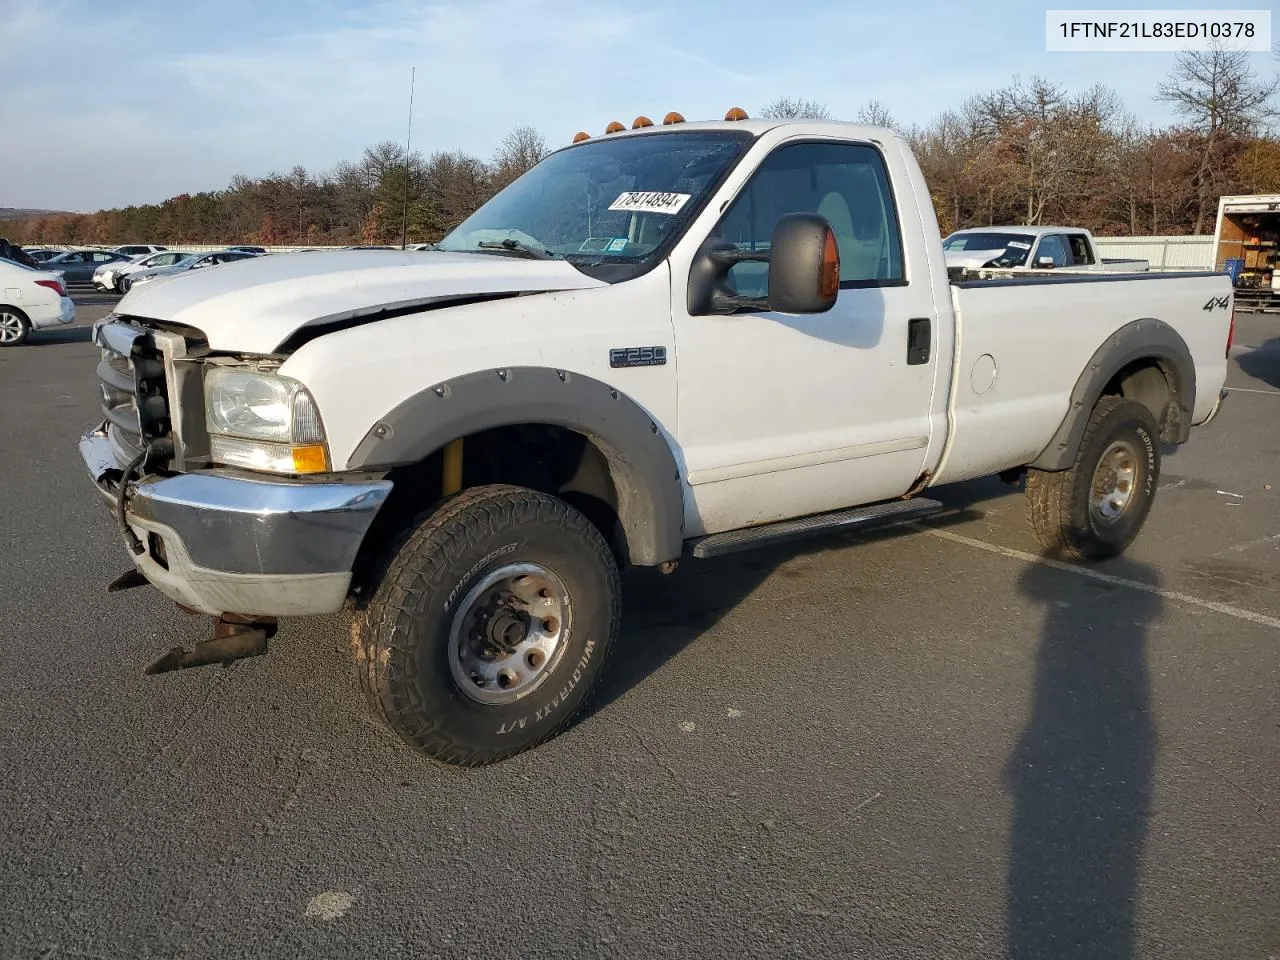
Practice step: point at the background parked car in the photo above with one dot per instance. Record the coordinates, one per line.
(138, 249)
(78, 265)
(196, 262)
(30, 299)
(107, 277)
(244, 249)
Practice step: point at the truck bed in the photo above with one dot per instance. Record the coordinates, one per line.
(1023, 341)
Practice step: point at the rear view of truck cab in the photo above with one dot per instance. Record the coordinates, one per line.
(663, 343)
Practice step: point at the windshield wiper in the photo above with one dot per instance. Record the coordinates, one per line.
(515, 246)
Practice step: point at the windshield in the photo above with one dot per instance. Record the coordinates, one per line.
(1006, 249)
(609, 207)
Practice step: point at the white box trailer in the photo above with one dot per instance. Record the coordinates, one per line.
(1248, 231)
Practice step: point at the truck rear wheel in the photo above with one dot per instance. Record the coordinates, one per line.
(1095, 509)
(490, 626)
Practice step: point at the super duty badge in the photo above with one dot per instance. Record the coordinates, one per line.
(637, 356)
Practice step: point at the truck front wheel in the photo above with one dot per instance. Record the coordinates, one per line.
(490, 626)
(1095, 509)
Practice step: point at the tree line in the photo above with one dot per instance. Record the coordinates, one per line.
(1031, 152)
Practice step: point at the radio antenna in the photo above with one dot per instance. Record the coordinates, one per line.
(408, 140)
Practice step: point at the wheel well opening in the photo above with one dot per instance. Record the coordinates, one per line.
(1152, 384)
(543, 457)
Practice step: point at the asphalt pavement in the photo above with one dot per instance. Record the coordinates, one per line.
(925, 743)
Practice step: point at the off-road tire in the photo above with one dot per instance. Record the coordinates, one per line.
(1058, 502)
(11, 314)
(401, 638)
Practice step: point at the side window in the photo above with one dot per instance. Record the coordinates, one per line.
(1053, 247)
(1080, 253)
(844, 182)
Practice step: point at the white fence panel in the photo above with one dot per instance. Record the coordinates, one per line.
(1163, 253)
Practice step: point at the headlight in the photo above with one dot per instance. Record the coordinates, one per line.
(262, 421)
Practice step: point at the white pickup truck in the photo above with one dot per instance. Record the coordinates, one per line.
(1030, 248)
(678, 340)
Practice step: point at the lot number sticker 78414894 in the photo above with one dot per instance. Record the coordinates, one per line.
(650, 202)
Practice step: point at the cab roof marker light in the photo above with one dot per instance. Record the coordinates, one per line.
(580, 136)
(671, 118)
(641, 121)
(614, 127)
(736, 113)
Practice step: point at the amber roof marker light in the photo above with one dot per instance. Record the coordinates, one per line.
(736, 113)
(641, 121)
(580, 136)
(614, 127)
(671, 118)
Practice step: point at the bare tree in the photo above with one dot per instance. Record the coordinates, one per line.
(1219, 95)
(790, 108)
(875, 113)
(519, 151)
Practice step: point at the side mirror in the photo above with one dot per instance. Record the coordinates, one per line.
(804, 270)
(1044, 263)
(804, 265)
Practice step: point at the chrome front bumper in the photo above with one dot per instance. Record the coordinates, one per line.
(224, 544)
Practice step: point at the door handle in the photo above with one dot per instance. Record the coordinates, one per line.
(918, 339)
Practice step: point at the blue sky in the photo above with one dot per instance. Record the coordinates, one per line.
(130, 102)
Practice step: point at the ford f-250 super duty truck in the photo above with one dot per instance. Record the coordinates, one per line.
(677, 340)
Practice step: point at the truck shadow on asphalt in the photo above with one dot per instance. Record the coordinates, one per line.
(662, 615)
(1081, 773)
(1262, 363)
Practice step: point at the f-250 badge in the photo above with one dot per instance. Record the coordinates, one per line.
(637, 356)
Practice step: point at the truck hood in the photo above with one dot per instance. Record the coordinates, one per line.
(254, 305)
(971, 259)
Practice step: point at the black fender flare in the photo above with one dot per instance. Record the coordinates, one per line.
(644, 471)
(1145, 339)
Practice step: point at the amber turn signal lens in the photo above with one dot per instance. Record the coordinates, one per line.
(614, 127)
(580, 136)
(671, 118)
(736, 113)
(310, 458)
(829, 279)
(641, 121)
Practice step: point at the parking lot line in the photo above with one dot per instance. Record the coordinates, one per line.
(1251, 390)
(1091, 574)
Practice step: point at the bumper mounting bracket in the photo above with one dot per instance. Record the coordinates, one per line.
(234, 638)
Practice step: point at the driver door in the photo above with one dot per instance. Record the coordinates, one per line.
(783, 416)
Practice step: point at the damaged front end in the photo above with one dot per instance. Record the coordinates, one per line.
(241, 547)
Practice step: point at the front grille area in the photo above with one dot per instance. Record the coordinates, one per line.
(135, 399)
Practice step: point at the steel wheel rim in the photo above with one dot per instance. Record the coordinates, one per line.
(1115, 480)
(10, 328)
(509, 633)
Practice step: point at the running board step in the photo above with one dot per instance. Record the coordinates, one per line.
(855, 519)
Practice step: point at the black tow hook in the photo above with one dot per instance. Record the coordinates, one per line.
(235, 637)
